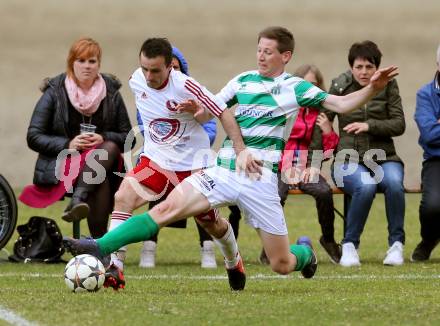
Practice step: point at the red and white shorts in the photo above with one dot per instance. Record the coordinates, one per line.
(152, 176)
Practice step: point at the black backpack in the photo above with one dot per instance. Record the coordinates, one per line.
(40, 240)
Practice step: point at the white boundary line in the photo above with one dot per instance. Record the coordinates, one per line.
(361, 277)
(12, 318)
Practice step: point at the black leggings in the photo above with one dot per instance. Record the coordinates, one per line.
(234, 219)
(100, 197)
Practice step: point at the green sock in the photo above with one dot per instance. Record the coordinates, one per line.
(137, 228)
(303, 255)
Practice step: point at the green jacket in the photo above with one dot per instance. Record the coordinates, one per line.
(384, 115)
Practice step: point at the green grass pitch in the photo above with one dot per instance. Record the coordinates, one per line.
(179, 292)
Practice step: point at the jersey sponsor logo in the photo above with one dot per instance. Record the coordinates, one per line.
(165, 131)
(205, 180)
(171, 105)
(256, 113)
(144, 96)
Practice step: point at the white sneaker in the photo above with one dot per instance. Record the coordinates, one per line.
(148, 255)
(394, 255)
(118, 258)
(350, 255)
(207, 254)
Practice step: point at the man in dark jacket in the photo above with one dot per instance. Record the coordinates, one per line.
(427, 117)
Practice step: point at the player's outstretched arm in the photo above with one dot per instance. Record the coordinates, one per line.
(352, 101)
(245, 161)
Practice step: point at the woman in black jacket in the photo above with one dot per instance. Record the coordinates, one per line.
(81, 96)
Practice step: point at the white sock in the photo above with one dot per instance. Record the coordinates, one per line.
(228, 247)
(117, 219)
(118, 258)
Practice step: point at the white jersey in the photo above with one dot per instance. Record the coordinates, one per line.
(267, 108)
(175, 141)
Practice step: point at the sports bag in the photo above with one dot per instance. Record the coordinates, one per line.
(40, 240)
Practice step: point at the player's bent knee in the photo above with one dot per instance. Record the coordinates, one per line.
(119, 196)
(280, 266)
(125, 197)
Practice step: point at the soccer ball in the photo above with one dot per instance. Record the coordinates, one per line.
(84, 273)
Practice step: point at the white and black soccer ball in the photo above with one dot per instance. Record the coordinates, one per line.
(84, 273)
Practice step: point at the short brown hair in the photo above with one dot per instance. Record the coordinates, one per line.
(302, 70)
(83, 48)
(282, 35)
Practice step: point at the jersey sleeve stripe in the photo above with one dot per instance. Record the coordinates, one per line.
(203, 99)
(308, 95)
(211, 105)
(206, 100)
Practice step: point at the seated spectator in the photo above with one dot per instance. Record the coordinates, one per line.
(82, 95)
(369, 131)
(427, 117)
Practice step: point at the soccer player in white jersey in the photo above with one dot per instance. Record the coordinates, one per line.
(268, 100)
(175, 144)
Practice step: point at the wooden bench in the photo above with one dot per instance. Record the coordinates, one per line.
(347, 199)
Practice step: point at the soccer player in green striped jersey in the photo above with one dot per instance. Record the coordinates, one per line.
(267, 102)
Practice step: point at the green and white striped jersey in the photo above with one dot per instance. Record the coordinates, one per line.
(267, 108)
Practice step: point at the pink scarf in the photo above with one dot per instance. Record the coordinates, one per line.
(86, 102)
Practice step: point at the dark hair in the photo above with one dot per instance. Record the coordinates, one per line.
(282, 35)
(157, 47)
(366, 50)
(302, 70)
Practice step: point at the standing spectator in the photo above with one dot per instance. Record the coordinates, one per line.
(427, 117)
(81, 95)
(370, 127)
(207, 252)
